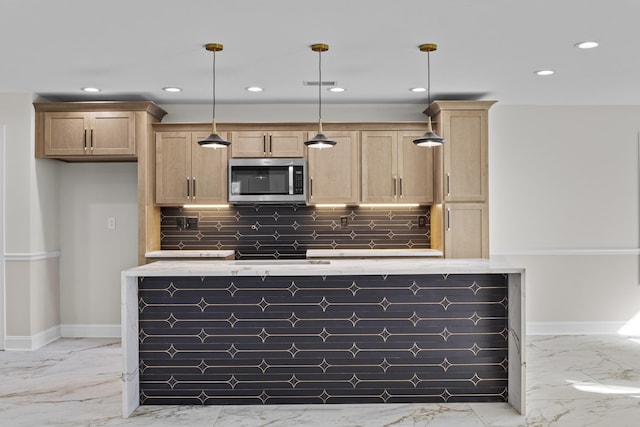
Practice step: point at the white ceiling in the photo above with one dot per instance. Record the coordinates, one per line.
(486, 50)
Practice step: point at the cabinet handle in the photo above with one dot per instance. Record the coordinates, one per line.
(264, 144)
(188, 188)
(448, 185)
(91, 140)
(311, 187)
(270, 144)
(85, 140)
(395, 184)
(401, 195)
(193, 181)
(448, 219)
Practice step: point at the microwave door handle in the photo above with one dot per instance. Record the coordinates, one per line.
(290, 179)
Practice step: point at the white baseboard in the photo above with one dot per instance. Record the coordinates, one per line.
(574, 328)
(91, 330)
(32, 342)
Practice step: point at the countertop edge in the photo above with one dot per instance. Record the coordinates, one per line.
(333, 268)
(189, 254)
(373, 253)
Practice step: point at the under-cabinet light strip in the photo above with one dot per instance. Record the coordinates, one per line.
(204, 206)
(389, 205)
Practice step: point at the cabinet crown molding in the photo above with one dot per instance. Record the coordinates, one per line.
(298, 126)
(89, 106)
(436, 106)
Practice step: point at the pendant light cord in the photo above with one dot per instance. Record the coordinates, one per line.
(429, 84)
(320, 87)
(214, 87)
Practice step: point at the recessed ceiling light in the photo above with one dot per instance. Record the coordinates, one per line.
(171, 89)
(543, 72)
(91, 89)
(586, 45)
(418, 89)
(336, 89)
(254, 89)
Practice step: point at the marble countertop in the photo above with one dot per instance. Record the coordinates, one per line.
(371, 253)
(189, 254)
(332, 267)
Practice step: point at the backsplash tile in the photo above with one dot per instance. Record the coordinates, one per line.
(287, 231)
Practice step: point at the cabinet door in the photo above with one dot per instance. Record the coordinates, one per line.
(208, 171)
(66, 134)
(466, 233)
(285, 143)
(173, 168)
(379, 166)
(415, 169)
(267, 144)
(249, 144)
(465, 156)
(333, 172)
(113, 134)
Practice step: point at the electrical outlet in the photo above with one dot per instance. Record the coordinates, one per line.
(344, 221)
(181, 223)
(111, 223)
(192, 223)
(422, 221)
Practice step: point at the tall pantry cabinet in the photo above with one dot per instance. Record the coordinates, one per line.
(460, 224)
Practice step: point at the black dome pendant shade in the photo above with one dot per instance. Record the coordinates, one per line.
(429, 139)
(320, 140)
(214, 140)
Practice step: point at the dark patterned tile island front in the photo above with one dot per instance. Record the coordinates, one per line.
(323, 339)
(287, 231)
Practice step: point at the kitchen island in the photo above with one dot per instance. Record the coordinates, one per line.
(323, 331)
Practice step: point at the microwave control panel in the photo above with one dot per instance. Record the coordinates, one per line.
(298, 180)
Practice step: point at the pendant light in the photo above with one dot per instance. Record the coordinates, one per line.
(429, 139)
(320, 140)
(214, 140)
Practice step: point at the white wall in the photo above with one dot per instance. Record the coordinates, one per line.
(93, 255)
(32, 187)
(31, 230)
(564, 201)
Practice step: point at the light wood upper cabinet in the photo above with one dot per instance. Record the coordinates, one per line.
(187, 173)
(334, 172)
(416, 169)
(394, 169)
(88, 134)
(267, 143)
(77, 131)
(465, 151)
(460, 226)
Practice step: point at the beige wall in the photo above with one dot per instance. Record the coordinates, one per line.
(92, 255)
(33, 294)
(31, 244)
(564, 200)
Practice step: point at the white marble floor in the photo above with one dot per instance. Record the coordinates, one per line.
(572, 381)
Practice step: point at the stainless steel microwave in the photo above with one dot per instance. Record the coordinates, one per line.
(267, 180)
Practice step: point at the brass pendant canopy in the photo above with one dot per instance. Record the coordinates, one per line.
(214, 140)
(320, 140)
(429, 139)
